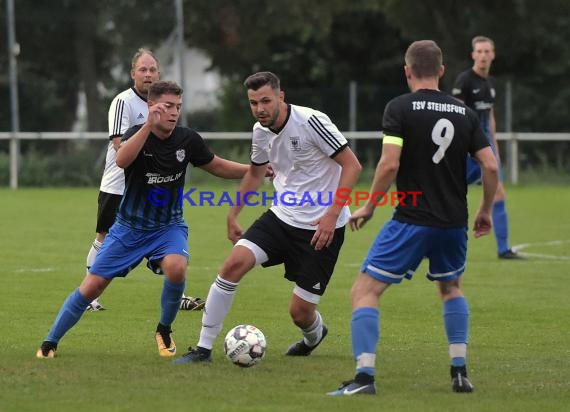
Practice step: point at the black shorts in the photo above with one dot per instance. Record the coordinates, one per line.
(107, 211)
(310, 269)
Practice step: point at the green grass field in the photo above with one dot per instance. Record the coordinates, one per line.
(518, 358)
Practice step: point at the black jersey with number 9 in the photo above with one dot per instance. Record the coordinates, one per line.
(438, 133)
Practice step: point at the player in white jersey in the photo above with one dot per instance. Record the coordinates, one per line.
(304, 230)
(129, 108)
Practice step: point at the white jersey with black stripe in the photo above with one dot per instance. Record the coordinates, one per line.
(306, 176)
(127, 109)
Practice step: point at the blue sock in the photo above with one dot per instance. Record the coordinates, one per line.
(501, 226)
(456, 321)
(170, 301)
(70, 312)
(365, 330)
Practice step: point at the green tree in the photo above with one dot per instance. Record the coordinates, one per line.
(531, 41)
(70, 44)
(316, 49)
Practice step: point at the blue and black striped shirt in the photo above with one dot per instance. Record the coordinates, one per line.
(154, 181)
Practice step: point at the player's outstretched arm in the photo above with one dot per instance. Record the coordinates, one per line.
(326, 224)
(386, 172)
(490, 179)
(349, 174)
(493, 130)
(252, 180)
(226, 169)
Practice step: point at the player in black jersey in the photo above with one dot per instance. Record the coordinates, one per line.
(427, 136)
(128, 108)
(149, 222)
(476, 88)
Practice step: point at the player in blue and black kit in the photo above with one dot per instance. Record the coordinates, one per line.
(149, 223)
(476, 88)
(427, 136)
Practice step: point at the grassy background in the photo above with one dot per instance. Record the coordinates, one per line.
(518, 358)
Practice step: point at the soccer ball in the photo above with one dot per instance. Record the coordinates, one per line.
(245, 345)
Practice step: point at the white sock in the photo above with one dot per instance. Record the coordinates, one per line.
(313, 333)
(218, 304)
(458, 350)
(93, 252)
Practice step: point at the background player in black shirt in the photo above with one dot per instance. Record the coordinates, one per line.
(476, 88)
(149, 222)
(427, 136)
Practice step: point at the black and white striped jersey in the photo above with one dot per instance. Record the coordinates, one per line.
(127, 109)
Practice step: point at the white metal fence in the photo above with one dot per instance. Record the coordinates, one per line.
(512, 139)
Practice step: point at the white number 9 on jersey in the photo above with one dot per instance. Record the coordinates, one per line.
(442, 135)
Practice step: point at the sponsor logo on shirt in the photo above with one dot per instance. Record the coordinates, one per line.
(295, 143)
(481, 105)
(154, 178)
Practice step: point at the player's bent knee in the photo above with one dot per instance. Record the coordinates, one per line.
(302, 316)
(449, 290)
(174, 267)
(238, 264)
(233, 270)
(176, 270)
(302, 311)
(93, 286)
(176, 276)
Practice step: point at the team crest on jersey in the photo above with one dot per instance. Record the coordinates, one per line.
(493, 92)
(295, 143)
(180, 155)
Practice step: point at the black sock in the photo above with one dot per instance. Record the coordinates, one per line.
(47, 346)
(461, 370)
(364, 378)
(165, 332)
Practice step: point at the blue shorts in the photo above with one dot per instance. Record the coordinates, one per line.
(124, 248)
(400, 247)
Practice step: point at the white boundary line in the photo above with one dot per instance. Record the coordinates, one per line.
(34, 270)
(542, 255)
(551, 257)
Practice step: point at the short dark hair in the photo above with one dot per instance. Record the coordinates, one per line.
(424, 58)
(141, 52)
(161, 87)
(260, 79)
